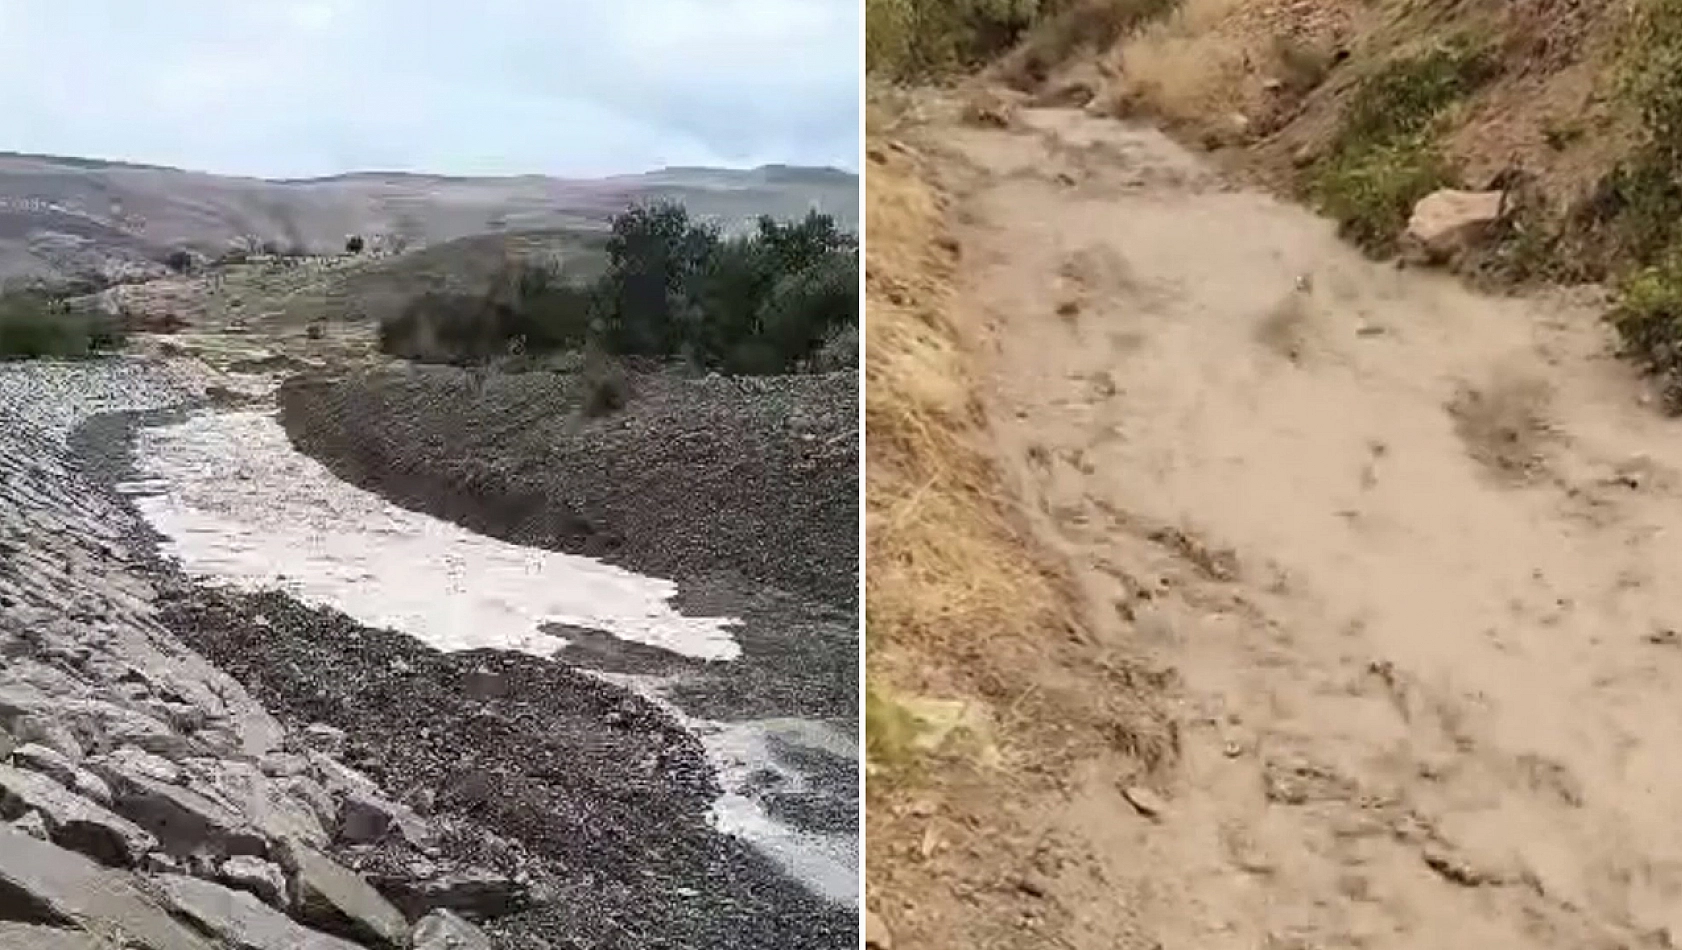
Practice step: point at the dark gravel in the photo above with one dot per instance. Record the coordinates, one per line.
(532, 768)
(693, 477)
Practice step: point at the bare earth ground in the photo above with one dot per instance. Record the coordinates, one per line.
(1402, 545)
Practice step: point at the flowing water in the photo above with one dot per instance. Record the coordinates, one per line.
(238, 505)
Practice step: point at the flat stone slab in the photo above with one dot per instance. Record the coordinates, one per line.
(240, 920)
(72, 821)
(16, 936)
(338, 901)
(46, 884)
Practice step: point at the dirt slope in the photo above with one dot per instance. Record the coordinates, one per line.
(1400, 543)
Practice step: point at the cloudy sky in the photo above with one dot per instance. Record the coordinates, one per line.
(296, 88)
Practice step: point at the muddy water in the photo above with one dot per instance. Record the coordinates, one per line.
(237, 505)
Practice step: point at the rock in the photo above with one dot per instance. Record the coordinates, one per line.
(328, 740)
(442, 930)
(55, 735)
(245, 873)
(91, 787)
(240, 920)
(307, 792)
(184, 821)
(335, 900)
(284, 765)
(245, 789)
(1147, 802)
(34, 825)
(49, 762)
(7, 744)
(72, 821)
(46, 884)
(876, 934)
(1448, 221)
(365, 818)
(16, 936)
(474, 892)
(137, 761)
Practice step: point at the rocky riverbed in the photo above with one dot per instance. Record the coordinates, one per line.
(198, 766)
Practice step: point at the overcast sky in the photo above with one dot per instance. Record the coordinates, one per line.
(296, 88)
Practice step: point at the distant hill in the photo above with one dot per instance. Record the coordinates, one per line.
(67, 217)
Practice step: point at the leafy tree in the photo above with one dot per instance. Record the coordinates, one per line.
(354, 244)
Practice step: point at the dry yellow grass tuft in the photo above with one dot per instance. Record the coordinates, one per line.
(1185, 68)
(946, 572)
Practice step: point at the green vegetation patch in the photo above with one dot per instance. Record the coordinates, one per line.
(783, 298)
(35, 325)
(1384, 157)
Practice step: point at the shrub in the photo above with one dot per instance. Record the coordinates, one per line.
(762, 303)
(1383, 157)
(607, 386)
(33, 325)
(179, 260)
(1648, 318)
(353, 244)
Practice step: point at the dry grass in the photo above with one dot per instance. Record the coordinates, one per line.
(946, 571)
(1184, 68)
(961, 601)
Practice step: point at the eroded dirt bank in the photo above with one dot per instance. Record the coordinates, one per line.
(756, 477)
(1402, 546)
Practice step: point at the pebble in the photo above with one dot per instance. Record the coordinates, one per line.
(1145, 801)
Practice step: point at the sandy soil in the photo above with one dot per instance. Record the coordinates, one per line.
(1401, 545)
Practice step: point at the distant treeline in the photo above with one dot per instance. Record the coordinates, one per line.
(783, 298)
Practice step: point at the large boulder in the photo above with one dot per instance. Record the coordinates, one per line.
(335, 900)
(73, 821)
(1446, 222)
(185, 822)
(259, 877)
(46, 884)
(262, 801)
(240, 920)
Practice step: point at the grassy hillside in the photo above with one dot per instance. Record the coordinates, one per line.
(62, 217)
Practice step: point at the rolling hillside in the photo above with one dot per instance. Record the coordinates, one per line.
(66, 217)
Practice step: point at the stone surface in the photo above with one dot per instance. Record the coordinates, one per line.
(16, 936)
(335, 900)
(259, 877)
(33, 825)
(366, 817)
(240, 920)
(1448, 221)
(49, 762)
(91, 787)
(442, 930)
(136, 761)
(184, 821)
(73, 821)
(45, 731)
(245, 789)
(475, 892)
(46, 884)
